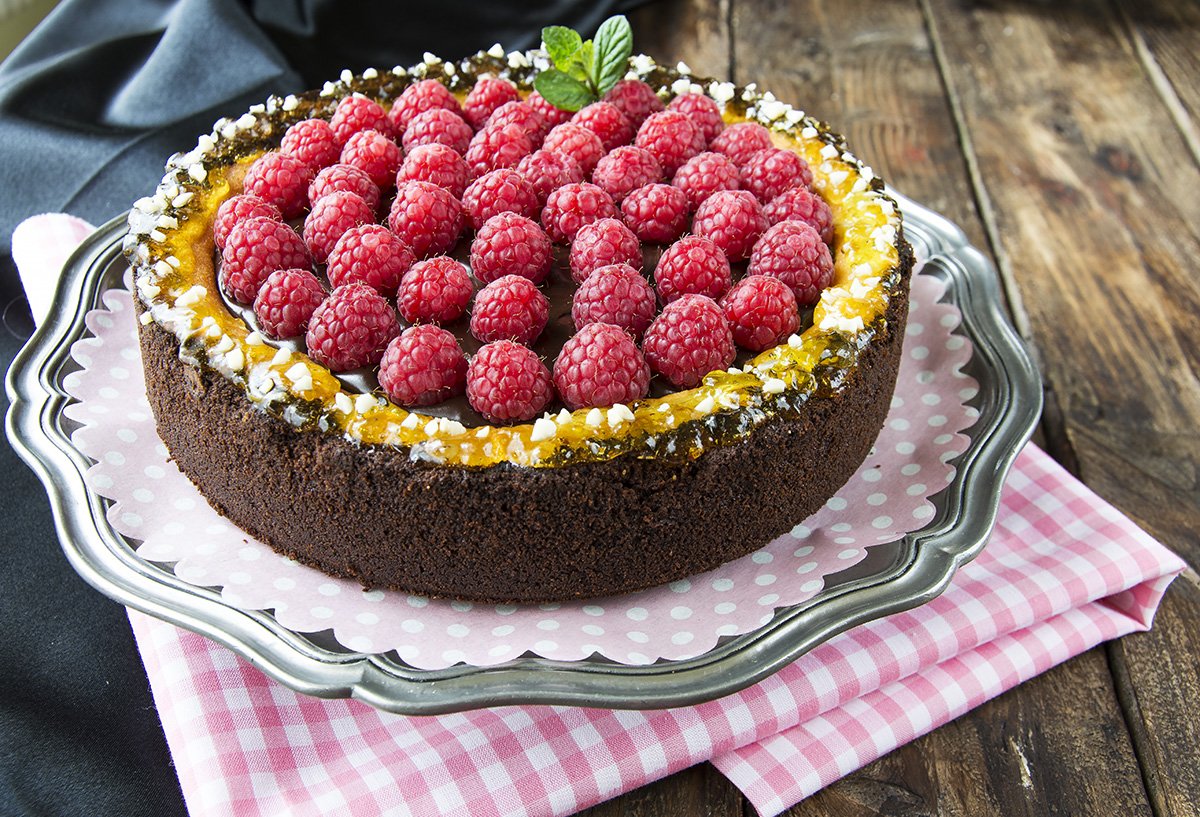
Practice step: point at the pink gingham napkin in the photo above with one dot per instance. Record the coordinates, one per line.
(1062, 572)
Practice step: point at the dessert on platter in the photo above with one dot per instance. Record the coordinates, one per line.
(527, 327)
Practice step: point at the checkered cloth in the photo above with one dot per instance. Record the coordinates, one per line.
(1062, 572)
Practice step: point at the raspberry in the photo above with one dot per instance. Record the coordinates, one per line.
(761, 311)
(434, 291)
(733, 219)
(423, 365)
(509, 308)
(425, 95)
(488, 95)
(606, 121)
(546, 171)
(573, 205)
(312, 142)
(370, 254)
(741, 141)
(355, 114)
(689, 338)
(601, 243)
(524, 116)
(331, 216)
(671, 138)
(635, 99)
(344, 177)
(437, 126)
(437, 164)
(770, 172)
(599, 367)
(496, 147)
(254, 249)
(577, 142)
(506, 382)
(615, 294)
(656, 212)
(705, 174)
(552, 115)
(286, 302)
(240, 208)
(279, 179)
(801, 204)
(703, 111)
(374, 154)
(692, 265)
(426, 217)
(793, 252)
(626, 169)
(510, 244)
(351, 328)
(500, 191)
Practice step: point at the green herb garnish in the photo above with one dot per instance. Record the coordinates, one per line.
(584, 71)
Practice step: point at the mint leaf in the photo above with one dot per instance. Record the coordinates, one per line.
(613, 47)
(580, 64)
(561, 43)
(562, 90)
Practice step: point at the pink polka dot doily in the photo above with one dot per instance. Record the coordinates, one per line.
(888, 497)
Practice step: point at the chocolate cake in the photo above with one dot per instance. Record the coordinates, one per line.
(574, 504)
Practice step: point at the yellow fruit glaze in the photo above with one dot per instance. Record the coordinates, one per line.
(171, 249)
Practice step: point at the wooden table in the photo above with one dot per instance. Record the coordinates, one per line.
(1064, 138)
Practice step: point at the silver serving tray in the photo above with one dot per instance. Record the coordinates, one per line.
(893, 577)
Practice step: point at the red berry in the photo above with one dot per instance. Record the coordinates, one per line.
(689, 338)
(279, 179)
(501, 191)
(801, 204)
(573, 205)
(510, 244)
(741, 141)
(577, 142)
(312, 142)
(332, 216)
(509, 308)
(344, 177)
(606, 121)
(635, 99)
(421, 96)
(671, 138)
(488, 95)
(552, 115)
(240, 208)
(351, 328)
(434, 291)
(692, 265)
(733, 219)
(438, 126)
(601, 243)
(705, 174)
(615, 294)
(624, 170)
(761, 311)
(506, 382)
(254, 249)
(770, 172)
(370, 254)
(286, 302)
(437, 164)
(355, 114)
(793, 252)
(497, 146)
(599, 367)
(703, 111)
(426, 217)
(656, 212)
(422, 366)
(546, 171)
(375, 154)
(524, 116)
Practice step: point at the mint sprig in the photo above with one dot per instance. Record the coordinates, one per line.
(584, 70)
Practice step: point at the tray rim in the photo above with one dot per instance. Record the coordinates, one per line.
(926, 563)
